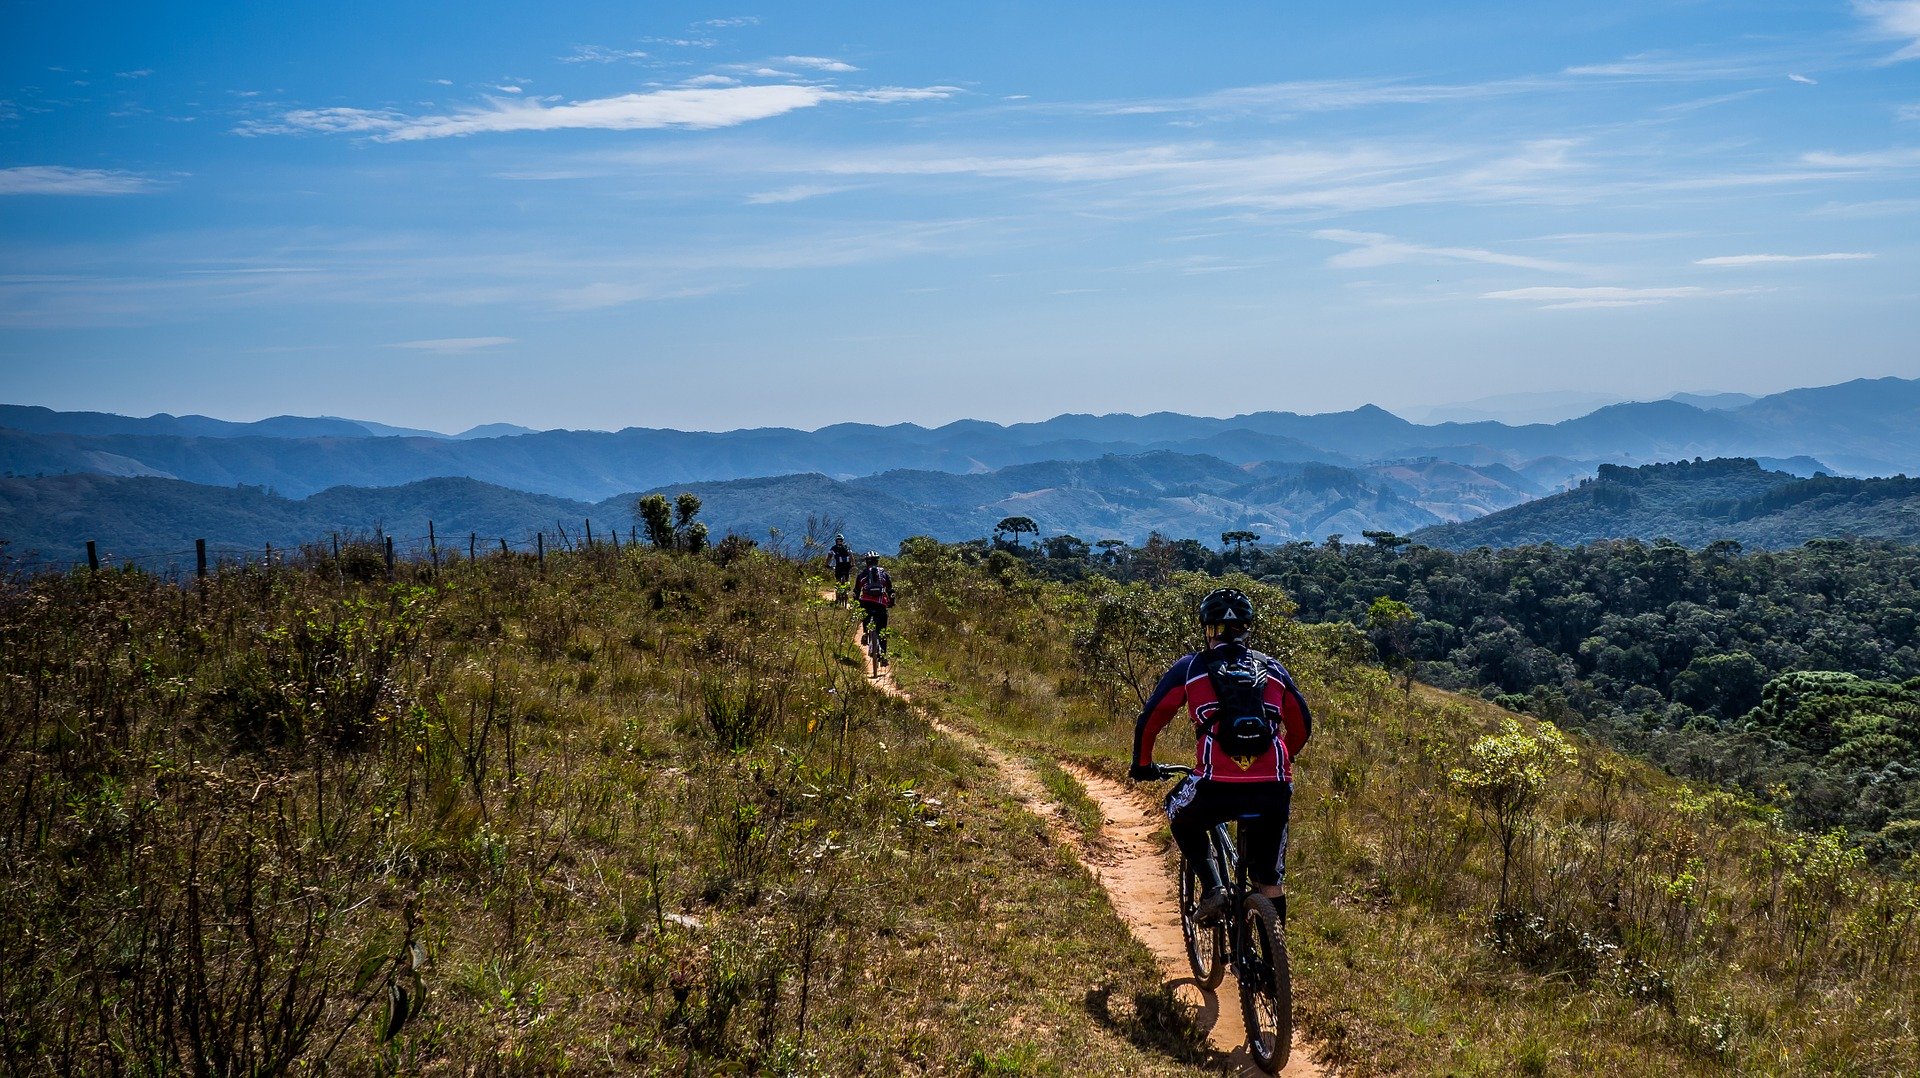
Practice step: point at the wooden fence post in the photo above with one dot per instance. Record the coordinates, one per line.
(200, 555)
(93, 557)
(433, 548)
(389, 557)
(473, 547)
(540, 547)
(503, 546)
(589, 535)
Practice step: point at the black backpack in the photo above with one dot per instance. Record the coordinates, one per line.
(1243, 723)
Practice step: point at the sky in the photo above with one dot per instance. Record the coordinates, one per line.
(711, 217)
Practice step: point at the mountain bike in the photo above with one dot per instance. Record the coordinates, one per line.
(876, 648)
(1251, 940)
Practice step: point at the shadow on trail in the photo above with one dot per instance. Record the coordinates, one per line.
(1164, 1023)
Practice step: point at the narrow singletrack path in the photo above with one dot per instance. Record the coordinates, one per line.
(1130, 867)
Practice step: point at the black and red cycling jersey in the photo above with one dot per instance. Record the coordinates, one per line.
(1187, 684)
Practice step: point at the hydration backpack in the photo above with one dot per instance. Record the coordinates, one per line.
(875, 586)
(1243, 722)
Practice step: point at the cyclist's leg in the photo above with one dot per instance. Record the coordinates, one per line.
(879, 613)
(1267, 836)
(1191, 813)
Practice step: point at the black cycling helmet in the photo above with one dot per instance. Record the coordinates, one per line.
(1226, 606)
(839, 538)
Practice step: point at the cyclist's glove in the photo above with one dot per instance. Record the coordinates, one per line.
(1144, 772)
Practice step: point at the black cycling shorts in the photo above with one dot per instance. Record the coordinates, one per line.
(1196, 805)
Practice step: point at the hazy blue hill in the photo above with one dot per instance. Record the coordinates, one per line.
(1860, 427)
(51, 519)
(37, 420)
(1868, 425)
(1696, 503)
(871, 519)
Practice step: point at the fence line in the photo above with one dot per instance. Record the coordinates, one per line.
(419, 548)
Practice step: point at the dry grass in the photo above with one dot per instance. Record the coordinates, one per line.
(633, 813)
(1653, 928)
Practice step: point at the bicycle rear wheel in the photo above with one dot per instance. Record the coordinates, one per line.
(1266, 986)
(1206, 944)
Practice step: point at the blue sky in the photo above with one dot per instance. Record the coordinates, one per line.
(715, 217)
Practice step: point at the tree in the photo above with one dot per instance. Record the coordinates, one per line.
(1386, 541)
(1015, 526)
(1065, 547)
(1110, 549)
(1238, 539)
(1505, 776)
(670, 526)
(1390, 626)
(656, 516)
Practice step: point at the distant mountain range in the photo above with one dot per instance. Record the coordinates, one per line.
(1281, 474)
(1862, 427)
(1696, 503)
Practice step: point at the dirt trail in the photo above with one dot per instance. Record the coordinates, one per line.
(1130, 868)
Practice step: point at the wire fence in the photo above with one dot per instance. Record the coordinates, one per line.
(432, 548)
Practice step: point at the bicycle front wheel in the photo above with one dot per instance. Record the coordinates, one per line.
(1266, 986)
(1206, 944)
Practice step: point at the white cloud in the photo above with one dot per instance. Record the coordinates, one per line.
(1804, 81)
(818, 63)
(59, 180)
(1908, 112)
(1372, 249)
(600, 54)
(1556, 298)
(797, 193)
(699, 108)
(1904, 157)
(1759, 260)
(140, 74)
(711, 80)
(1326, 95)
(1897, 19)
(510, 89)
(453, 346)
(737, 20)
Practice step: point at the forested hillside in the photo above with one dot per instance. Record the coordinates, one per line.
(1697, 503)
(1790, 673)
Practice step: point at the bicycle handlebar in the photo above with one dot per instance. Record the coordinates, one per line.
(1165, 771)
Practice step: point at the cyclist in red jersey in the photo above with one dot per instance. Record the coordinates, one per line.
(1250, 721)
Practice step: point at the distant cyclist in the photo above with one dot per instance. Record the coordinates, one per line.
(840, 560)
(874, 589)
(1249, 722)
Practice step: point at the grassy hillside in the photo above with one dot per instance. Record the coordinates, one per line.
(640, 813)
(637, 814)
(1650, 927)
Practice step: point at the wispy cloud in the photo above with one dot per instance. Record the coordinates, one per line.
(1908, 112)
(693, 108)
(1902, 157)
(1761, 260)
(728, 23)
(140, 74)
(1668, 67)
(1557, 298)
(1897, 19)
(1323, 95)
(1804, 81)
(797, 193)
(454, 346)
(1372, 249)
(59, 180)
(600, 54)
(818, 63)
